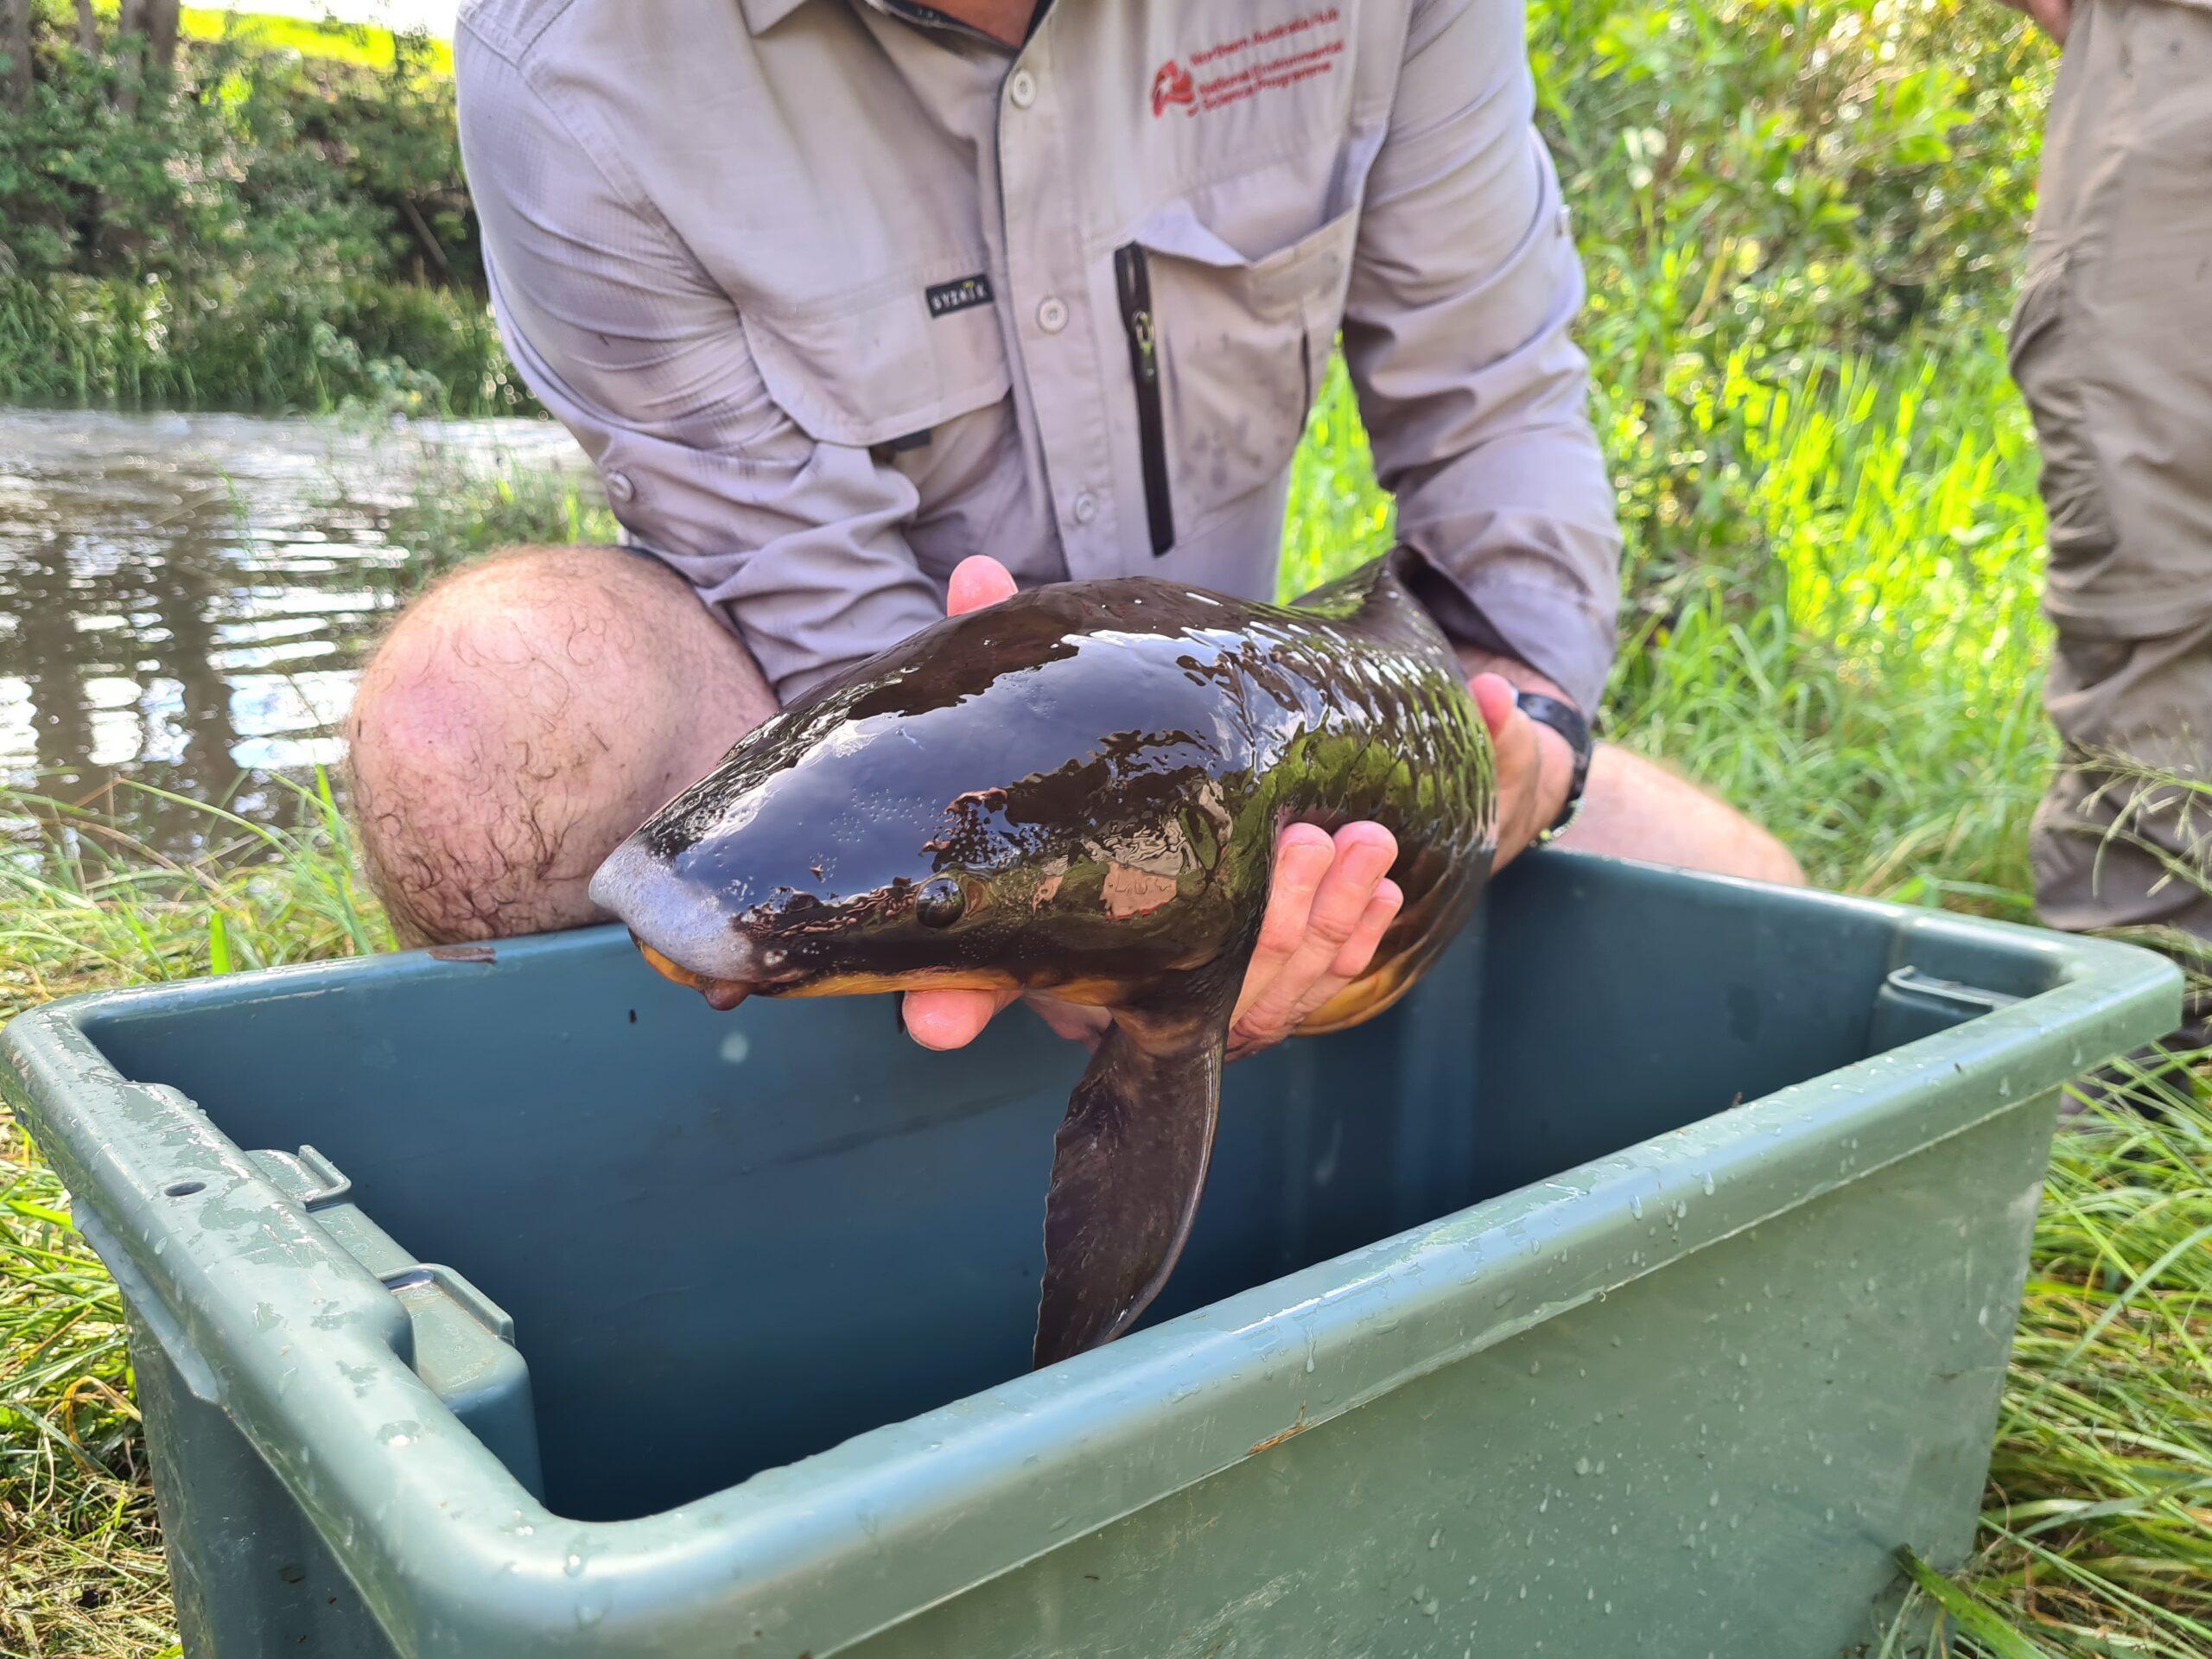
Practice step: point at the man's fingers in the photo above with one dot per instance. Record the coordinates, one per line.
(1361, 855)
(1303, 854)
(956, 1019)
(1520, 762)
(1513, 734)
(1358, 951)
(978, 580)
(1494, 697)
(1356, 955)
(1364, 853)
(951, 1019)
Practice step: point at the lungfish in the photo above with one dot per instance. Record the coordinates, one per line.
(1077, 791)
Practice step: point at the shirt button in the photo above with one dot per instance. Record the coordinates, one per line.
(1022, 87)
(1052, 314)
(618, 486)
(1084, 507)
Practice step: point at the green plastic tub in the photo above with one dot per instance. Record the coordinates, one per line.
(1638, 1286)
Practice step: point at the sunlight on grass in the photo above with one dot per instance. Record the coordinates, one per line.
(344, 42)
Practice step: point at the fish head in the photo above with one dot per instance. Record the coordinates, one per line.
(1016, 804)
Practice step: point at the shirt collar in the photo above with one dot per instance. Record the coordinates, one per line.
(761, 16)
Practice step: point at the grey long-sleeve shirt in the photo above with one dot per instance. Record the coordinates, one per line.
(837, 293)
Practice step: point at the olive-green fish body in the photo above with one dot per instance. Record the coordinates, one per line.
(1077, 792)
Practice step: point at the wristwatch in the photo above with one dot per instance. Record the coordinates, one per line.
(1566, 720)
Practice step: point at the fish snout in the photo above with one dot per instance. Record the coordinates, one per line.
(682, 929)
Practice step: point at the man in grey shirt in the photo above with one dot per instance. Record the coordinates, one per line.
(840, 293)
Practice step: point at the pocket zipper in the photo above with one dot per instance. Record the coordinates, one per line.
(1132, 283)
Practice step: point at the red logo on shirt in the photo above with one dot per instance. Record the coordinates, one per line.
(1172, 84)
(1274, 58)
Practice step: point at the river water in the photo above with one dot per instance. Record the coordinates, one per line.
(185, 599)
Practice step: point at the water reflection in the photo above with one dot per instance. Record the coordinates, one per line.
(184, 598)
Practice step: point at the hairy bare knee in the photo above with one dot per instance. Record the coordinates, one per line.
(502, 738)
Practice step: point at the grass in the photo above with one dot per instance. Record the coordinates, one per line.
(1868, 685)
(81, 1568)
(82, 342)
(1871, 686)
(1796, 257)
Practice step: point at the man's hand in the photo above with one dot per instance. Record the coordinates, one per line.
(1536, 766)
(2055, 16)
(1331, 899)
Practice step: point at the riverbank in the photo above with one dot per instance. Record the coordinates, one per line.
(1801, 230)
(1871, 692)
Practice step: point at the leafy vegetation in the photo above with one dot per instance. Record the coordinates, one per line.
(243, 226)
(1800, 222)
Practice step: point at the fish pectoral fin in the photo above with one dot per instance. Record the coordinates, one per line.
(1129, 1164)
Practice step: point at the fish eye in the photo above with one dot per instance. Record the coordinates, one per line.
(939, 903)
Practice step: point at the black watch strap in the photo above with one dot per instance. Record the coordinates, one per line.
(1566, 720)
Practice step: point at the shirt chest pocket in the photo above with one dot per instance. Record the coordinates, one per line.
(880, 368)
(1226, 352)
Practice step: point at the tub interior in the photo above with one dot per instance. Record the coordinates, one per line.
(728, 1241)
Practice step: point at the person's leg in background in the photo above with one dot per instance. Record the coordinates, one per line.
(2112, 347)
(1637, 809)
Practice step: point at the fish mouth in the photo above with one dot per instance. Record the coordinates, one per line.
(722, 995)
(674, 922)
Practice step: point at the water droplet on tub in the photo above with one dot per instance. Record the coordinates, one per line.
(1635, 1207)
(573, 1565)
(1708, 1183)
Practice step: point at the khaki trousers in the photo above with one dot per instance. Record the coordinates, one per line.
(2112, 347)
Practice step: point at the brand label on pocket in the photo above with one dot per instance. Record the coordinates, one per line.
(958, 295)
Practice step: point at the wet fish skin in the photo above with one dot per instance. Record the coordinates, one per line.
(1078, 790)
